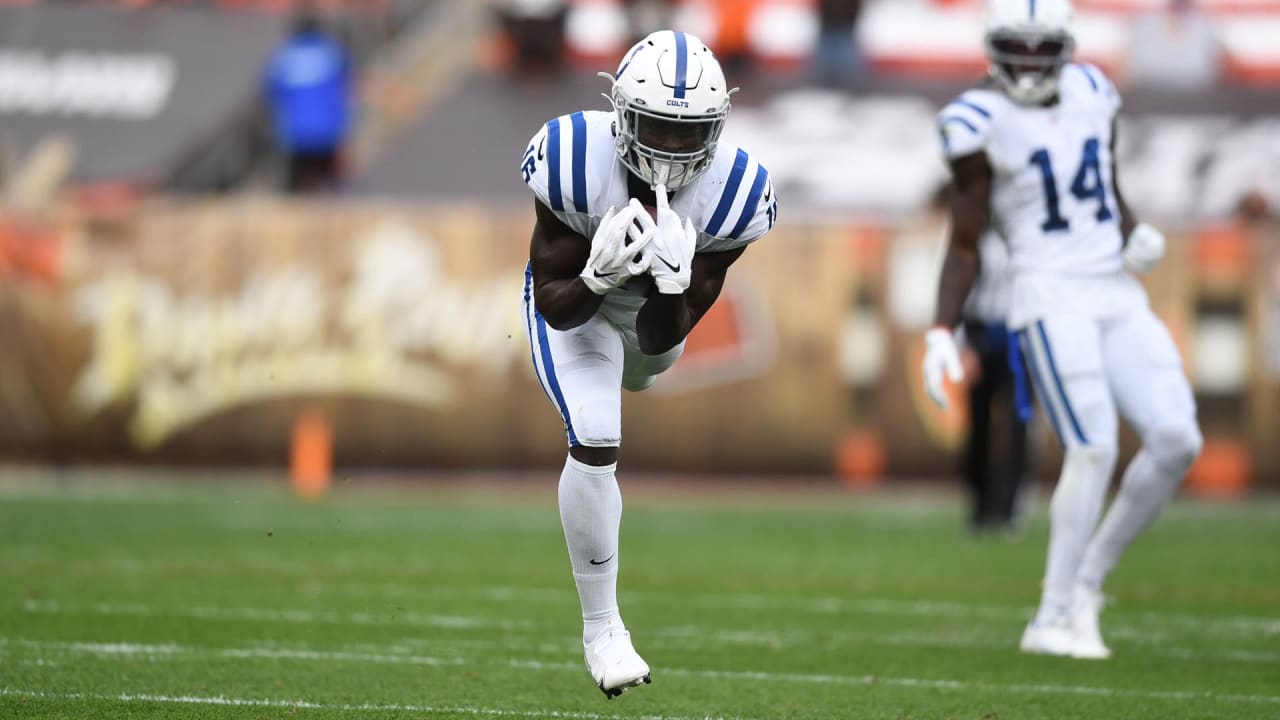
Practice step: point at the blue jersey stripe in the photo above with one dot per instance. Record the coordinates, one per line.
(682, 63)
(960, 121)
(550, 367)
(753, 202)
(972, 106)
(1102, 85)
(579, 161)
(729, 193)
(1057, 379)
(1033, 9)
(553, 165)
(1088, 75)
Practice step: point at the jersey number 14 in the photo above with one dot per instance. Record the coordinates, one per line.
(1087, 185)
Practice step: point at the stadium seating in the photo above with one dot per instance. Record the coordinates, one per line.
(929, 37)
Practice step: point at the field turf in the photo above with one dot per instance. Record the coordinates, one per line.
(234, 600)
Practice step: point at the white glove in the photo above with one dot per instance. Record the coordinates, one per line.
(671, 257)
(940, 357)
(617, 248)
(1144, 249)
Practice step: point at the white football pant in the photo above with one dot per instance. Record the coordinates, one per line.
(1084, 369)
(584, 370)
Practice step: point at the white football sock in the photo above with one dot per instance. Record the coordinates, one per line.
(591, 514)
(1150, 480)
(1073, 514)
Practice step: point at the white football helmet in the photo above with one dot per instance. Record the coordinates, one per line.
(1028, 42)
(671, 99)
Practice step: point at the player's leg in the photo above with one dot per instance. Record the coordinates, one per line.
(1018, 458)
(1064, 356)
(639, 371)
(1008, 437)
(1153, 394)
(581, 371)
(977, 450)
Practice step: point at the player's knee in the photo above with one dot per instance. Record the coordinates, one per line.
(1092, 457)
(1086, 465)
(594, 456)
(637, 382)
(1175, 446)
(1085, 472)
(640, 371)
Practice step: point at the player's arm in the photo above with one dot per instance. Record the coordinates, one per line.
(1144, 245)
(970, 208)
(1127, 221)
(557, 256)
(666, 319)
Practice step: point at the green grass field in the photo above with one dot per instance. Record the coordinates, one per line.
(236, 601)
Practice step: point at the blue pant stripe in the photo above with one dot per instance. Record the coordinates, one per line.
(1041, 388)
(1057, 379)
(548, 364)
(1021, 398)
(529, 320)
(528, 316)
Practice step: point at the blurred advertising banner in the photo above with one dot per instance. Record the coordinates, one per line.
(130, 91)
(198, 332)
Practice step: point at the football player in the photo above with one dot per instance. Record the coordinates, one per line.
(1032, 151)
(640, 214)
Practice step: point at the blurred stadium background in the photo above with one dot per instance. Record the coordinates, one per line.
(185, 302)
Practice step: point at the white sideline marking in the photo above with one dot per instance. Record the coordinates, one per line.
(389, 707)
(697, 635)
(824, 679)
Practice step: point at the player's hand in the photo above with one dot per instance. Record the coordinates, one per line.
(940, 358)
(1144, 249)
(618, 248)
(671, 256)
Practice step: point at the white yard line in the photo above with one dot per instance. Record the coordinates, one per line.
(304, 617)
(311, 705)
(252, 652)
(935, 684)
(687, 634)
(1116, 618)
(806, 678)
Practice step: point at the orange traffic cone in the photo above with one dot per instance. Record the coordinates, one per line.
(311, 456)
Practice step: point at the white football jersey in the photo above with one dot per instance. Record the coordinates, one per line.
(1053, 198)
(573, 168)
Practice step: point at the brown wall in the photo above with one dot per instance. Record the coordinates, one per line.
(197, 332)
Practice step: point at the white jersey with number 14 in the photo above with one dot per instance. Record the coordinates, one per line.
(1053, 198)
